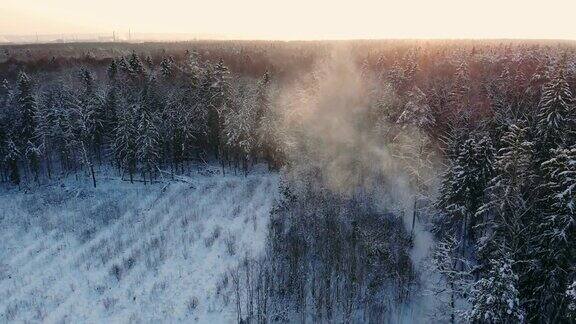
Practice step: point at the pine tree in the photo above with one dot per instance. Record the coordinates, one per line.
(417, 120)
(416, 111)
(495, 298)
(109, 116)
(167, 67)
(3, 147)
(148, 141)
(462, 189)
(81, 128)
(458, 98)
(5, 121)
(4, 93)
(267, 119)
(445, 261)
(556, 253)
(217, 94)
(505, 211)
(571, 294)
(59, 118)
(240, 124)
(135, 65)
(555, 119)
(46, 119)
(112, 70)
(27, 107)
(11, 158)
(561, 183)
(92, 106)
(124, 66)
(149, 62)
(125, 145)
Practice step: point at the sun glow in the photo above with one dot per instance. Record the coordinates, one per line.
(296, 19)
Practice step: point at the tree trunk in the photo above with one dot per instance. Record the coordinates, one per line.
(14, 172)
(93, 174)
(48, 166)
(464, 237)
(452, 304)
(413, 216)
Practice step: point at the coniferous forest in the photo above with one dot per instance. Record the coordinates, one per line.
(418, 181)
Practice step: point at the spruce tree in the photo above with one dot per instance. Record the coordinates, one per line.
(125, 141)
(505, 211)
(555, 116)
(92, 107)
(135, 65)
(495, 297)
(554, 246)
(217, 92)
(11, 158)
(571, 294)
(112, 70)
(462, 189)
(109, 116)
(167, 67)
(458, 98)
(148, 143)
(27, 107)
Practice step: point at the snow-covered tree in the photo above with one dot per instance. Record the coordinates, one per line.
(148, 142)
(417, 111)
(458, 97)
(123, 65)
(416, 120)
(240, 123)
(555, 249)
(135, 65)
(268, 121)
(11, 159)
(153, 104)
(112, 70)
(80, 134)
(92, 106)
(561, 184)
(46, 120)
(4, 93)
(27, 106)
(571, 294)
(149, 62)
(556, 112)
(495, 297)
(125, 141)
(507, 202)
(109, 114)
(462, 189)
(167, 67)
(217, 90)
(453, 283)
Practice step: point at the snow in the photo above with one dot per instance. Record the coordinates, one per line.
(128, 252)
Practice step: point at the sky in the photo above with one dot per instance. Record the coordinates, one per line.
(296, 19)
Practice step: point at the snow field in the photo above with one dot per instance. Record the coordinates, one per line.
(127, 252)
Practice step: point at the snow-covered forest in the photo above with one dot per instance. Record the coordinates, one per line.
(259, 181)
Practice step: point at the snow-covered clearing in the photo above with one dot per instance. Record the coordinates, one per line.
(128, 252)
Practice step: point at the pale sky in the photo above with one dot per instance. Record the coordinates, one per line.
(296, 19)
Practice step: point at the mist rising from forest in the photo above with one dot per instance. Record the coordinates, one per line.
(330, 114)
